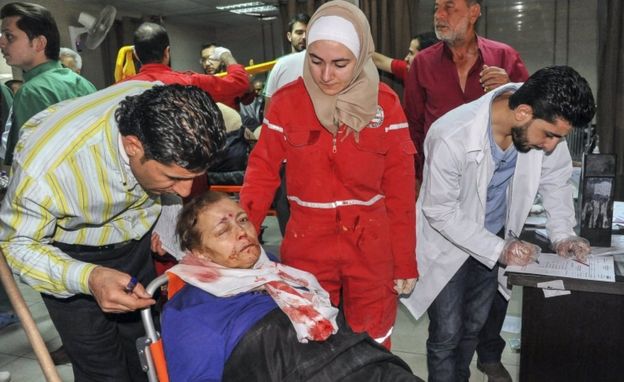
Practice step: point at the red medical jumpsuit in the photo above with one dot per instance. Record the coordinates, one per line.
(352, 204)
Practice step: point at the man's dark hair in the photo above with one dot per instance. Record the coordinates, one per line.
(557, 92)
(35, 21)
(150, 42)
(207, 45)
(425, 40)
(186, 227)
(176, 124)
(302, 18)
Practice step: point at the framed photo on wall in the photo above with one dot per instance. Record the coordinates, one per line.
(596, 198)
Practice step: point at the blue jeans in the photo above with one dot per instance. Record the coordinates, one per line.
(491, 343)
(456, 318)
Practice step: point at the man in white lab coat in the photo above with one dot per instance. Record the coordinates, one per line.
(485, 163)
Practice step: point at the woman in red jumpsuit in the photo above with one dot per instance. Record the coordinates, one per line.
(349, 172)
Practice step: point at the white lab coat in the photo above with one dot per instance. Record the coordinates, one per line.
(450, 217)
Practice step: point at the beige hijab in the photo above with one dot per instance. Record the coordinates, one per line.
(356, 104)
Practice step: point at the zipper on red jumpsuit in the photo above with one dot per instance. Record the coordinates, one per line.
(333, 177)
(340, 130)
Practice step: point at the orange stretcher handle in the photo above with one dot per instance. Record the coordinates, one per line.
(160, 364)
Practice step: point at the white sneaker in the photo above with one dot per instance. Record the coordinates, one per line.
(5, 376)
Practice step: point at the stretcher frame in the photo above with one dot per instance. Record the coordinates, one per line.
(150, 347)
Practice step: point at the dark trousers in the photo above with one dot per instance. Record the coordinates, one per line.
(491, 344)
(5, 303)
(101, 345)
(456, 317)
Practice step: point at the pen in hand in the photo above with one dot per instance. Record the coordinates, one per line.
(579, 261)
(513, 235)
(131, 285)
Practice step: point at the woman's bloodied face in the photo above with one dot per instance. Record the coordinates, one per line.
(228, 237)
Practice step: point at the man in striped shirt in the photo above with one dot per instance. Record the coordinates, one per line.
(84, 194)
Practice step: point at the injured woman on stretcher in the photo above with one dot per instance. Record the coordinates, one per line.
(242, 317)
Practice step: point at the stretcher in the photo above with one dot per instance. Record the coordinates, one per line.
(150, 347)
(348, 356)
(125, 67)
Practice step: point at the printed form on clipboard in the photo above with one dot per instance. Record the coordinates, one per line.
(601, 268)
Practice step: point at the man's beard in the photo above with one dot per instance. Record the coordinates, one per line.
(519, 137)
(450, 36)
(299, 47)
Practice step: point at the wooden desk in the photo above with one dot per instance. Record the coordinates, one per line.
(577, 337)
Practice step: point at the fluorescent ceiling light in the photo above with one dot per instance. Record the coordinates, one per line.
(240, 5)
(252, 7)
(259, 9)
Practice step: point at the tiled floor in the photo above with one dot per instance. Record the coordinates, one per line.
(408, 338)
(16, 354)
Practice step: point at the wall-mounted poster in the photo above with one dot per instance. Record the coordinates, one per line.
(596, 198)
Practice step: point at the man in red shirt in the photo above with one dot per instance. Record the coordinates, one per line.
(459, 69)
(398, 67)
(151, 47)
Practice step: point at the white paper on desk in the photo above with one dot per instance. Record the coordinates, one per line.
(600, 268)
(553, 288)
(548, 293)
(606, 251)
(618, 212)
(165, 228)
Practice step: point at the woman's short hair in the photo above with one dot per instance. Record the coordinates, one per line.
(186, 229)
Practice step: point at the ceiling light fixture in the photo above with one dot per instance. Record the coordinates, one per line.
(239, 5)
(251, 8)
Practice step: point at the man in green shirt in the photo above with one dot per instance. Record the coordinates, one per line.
(30, 41)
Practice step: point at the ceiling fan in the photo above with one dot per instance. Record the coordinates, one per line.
(95, 28)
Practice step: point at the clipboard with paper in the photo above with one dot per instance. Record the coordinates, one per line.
(599, 268)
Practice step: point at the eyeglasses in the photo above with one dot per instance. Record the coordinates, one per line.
(205, 60)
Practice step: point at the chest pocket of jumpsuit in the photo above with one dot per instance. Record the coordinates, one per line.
(303, 158)
(363, 165)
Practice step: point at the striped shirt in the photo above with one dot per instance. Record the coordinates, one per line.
(71, 184)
